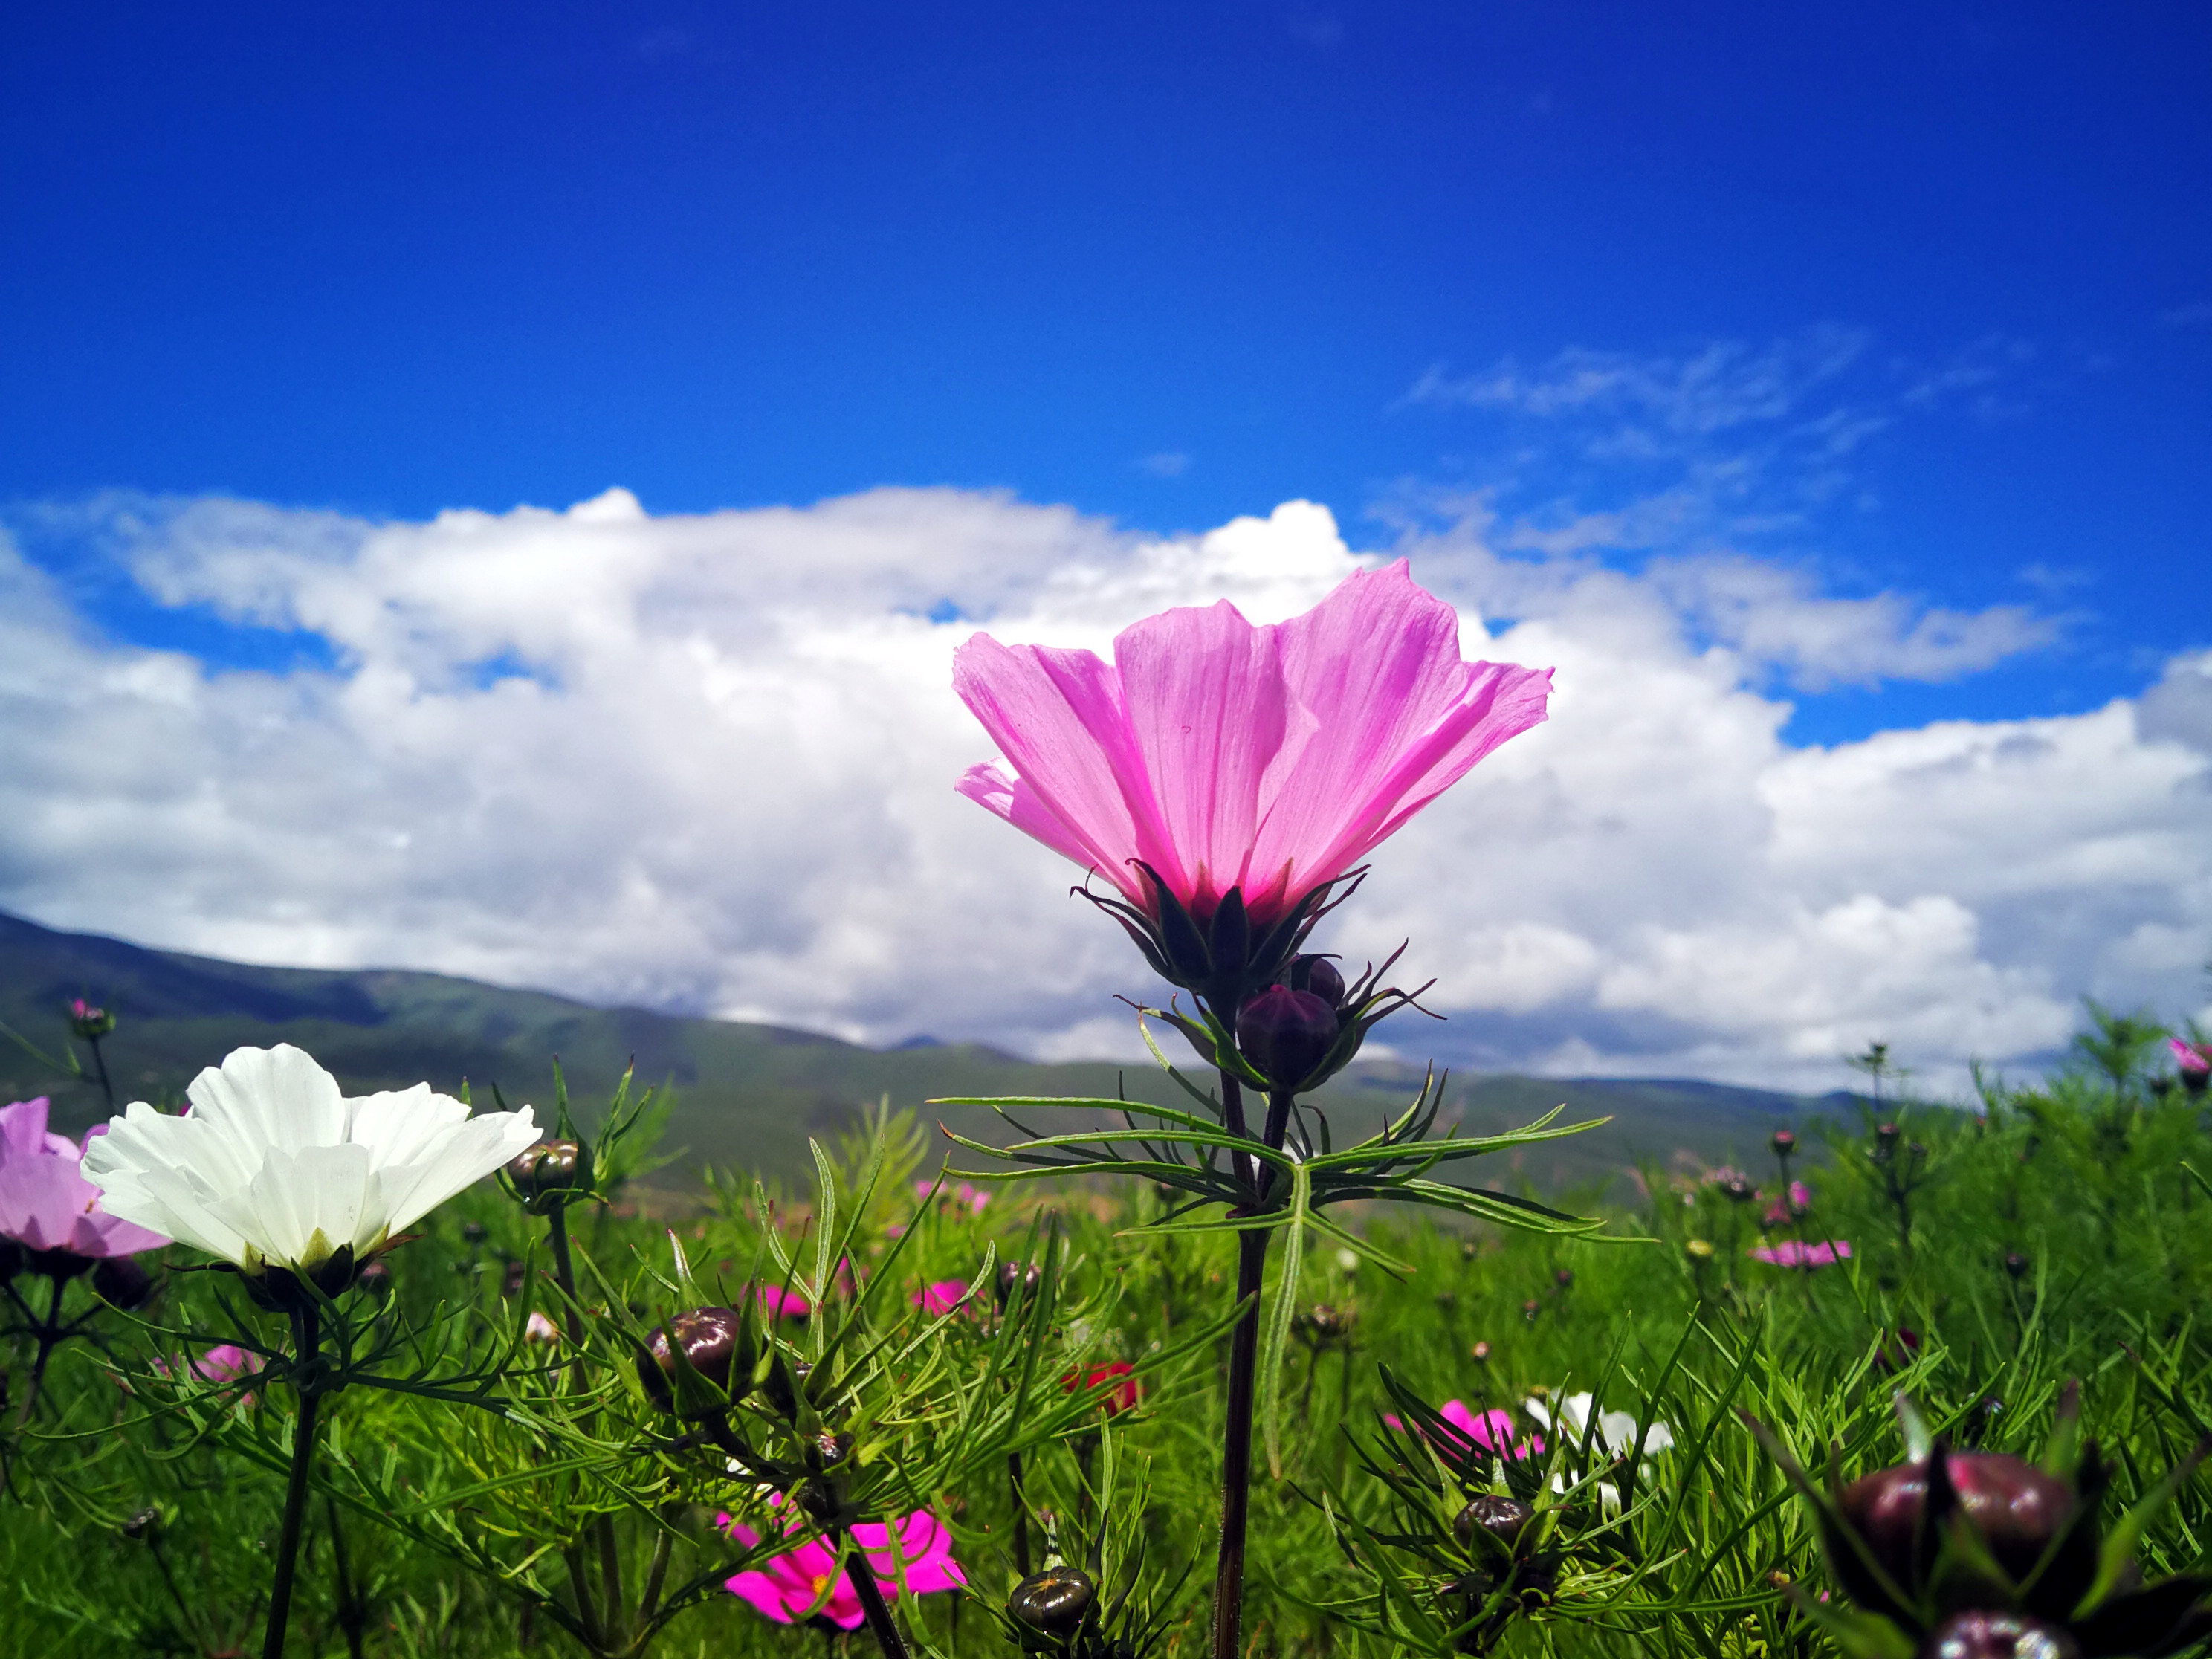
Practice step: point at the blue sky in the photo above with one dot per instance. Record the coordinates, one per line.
(497, 487)
(1164, 263)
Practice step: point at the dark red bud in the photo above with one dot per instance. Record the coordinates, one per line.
(1319, 975)
(1563, 1278)
(550, 1166)
(2017, 1265)
(1056, 1602)
(1997, 1636)
(1739, 1191)
(1501, 1516)
(1784, 1142)
(1012, 1273)
(1286, 1034)
(2016, 1507)
(472, 1232)
(712, 1340)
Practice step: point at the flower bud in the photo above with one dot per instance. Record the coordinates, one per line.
(517, 1276)
(472, 1232)
(1319, 975)
(1997, 1636)
(121, 1280)
(1529, 1310)
(1024, 1274)
(144, 1526)
(89, 1022)
(1698, 1249)
(2016, 1507)
(1286, 1034)
(2016, 1264)
(827, 1451)
(1501, 1516)
(713, 1346)
(1479, 1353)
(550, 1166)
(1321, 1323)
(1056, 1602)
(1564, 1278)
(1785, 1143)
(1737, 1190)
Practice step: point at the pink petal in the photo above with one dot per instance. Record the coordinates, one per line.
(1400, 719)
(1211, 716)
(1057, 716)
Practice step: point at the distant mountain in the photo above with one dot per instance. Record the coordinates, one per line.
(749, 1096)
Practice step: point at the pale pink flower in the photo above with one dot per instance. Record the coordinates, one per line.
(226, 1362)
(2192, 1059)
(1268, 759)
(539, 1328)
(787, 1587)
(1791, 1253)
(45, 1202)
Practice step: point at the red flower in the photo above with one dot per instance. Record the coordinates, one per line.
(1119, 1400)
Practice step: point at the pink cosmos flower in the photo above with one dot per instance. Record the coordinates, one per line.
(964, 1194)
(226, 1362)
(940, 1298)
(1791, 1253)
(1266, 759)
(2192, 1059)
(45, 1202)
(1786, 1209)
(787, 1587)
(1493, 1430)
(779, 1304)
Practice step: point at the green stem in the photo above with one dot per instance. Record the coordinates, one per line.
(874, 1608)
(106, 1088)
(352, 1612)
(1021, 1514)
(601, 1624)
(1237, 1449)
(307, 1341)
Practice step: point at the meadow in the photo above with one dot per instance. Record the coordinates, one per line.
(497, 1478)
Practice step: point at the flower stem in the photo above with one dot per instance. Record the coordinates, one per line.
(1237, 1449)
(105, 1088)
(295, 1495)
(873, 1607)
(352, 1609)
(605, 1620)
(1021, 1514)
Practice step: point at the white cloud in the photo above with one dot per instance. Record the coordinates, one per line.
(706, 762)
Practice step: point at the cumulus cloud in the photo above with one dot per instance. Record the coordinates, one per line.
(705, 762)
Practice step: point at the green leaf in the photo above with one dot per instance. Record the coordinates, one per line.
(1276, 1332)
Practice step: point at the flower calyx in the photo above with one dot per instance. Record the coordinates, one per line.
(1223, 959)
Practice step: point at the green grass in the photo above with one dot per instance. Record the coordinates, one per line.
(454, 1516)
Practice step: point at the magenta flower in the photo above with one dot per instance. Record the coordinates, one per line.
(1800, 1199)
(1213, 756)
(1791, 1253)
(940, 1298)
(964, 1194)
(2192, 1059)
(1492, 1430)
(790, 1587)
(46, 1204)
(779, 1304)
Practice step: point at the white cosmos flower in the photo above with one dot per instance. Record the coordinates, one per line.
(273, 1168)
(1616, 1436)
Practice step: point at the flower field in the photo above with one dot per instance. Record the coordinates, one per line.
(2056, 1235)
(405, 1373)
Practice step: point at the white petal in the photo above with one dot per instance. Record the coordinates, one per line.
(398, 1125)
(263, 1098)
(466, 1154)
(304, 1205)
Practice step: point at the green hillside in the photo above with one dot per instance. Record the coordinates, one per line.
(748, 1095)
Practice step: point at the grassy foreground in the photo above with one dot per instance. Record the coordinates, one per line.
(2054, 1232)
